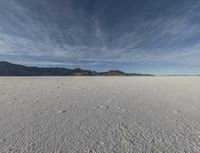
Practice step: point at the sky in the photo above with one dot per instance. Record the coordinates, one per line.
(145, 36)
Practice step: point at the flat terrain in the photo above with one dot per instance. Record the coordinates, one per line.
(100, 114)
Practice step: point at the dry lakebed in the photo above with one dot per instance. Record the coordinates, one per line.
(99, 114)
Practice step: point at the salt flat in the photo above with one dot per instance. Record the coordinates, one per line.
(100, 114)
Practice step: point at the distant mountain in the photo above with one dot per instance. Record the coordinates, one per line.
(120, 73)
(10, 69)
(113, 73)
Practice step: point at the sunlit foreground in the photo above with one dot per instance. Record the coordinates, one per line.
(99, 114)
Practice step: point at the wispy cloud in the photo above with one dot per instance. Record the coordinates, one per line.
(77, 33)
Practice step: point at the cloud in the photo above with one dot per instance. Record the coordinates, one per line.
(96, 32)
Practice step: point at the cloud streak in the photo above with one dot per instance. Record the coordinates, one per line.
(91, 33)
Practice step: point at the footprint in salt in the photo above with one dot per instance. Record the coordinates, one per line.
(111, 100)
(60, 86)
(107, 107)
(34, 103)
(121, 109)
(62, 111)
(177, 111)
(102, 107)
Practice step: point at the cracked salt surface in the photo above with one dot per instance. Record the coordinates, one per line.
(100, 114)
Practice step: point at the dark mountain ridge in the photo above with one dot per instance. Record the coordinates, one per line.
(10, 69)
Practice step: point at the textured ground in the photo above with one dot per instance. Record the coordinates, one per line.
(100, 114)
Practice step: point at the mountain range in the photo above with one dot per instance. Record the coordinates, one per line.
(10, 69)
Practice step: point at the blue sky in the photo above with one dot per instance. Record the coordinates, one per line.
(147, 36)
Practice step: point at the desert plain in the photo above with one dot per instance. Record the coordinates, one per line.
(100, 114)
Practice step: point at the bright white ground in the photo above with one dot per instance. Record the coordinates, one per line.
(100, 114)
